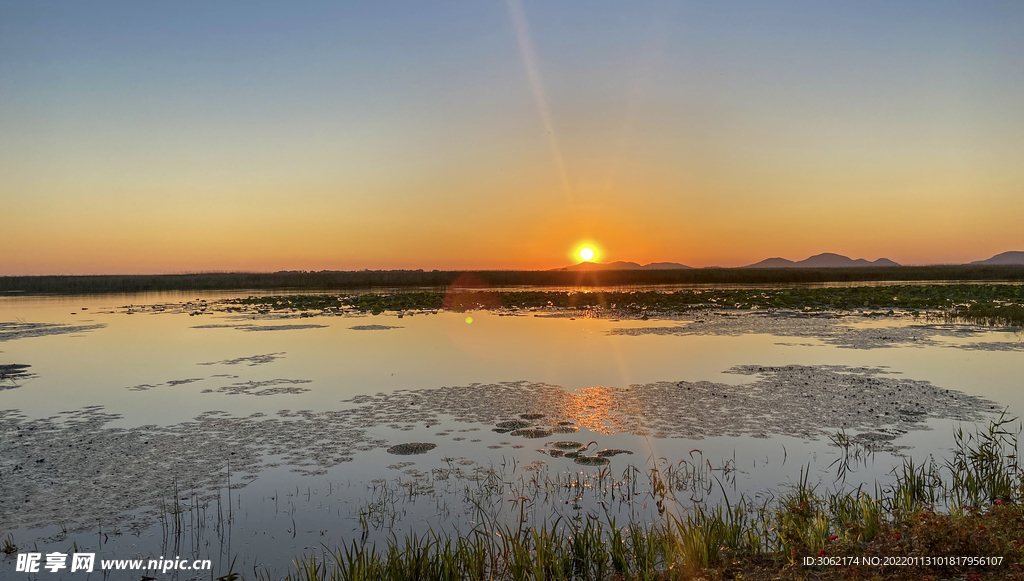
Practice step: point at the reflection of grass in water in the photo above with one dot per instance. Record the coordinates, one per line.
(992, 314)
(13, 372)
(970, 506)
(13, 376)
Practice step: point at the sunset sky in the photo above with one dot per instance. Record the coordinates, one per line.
(142, 137)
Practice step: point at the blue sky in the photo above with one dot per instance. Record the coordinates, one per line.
(178, 128)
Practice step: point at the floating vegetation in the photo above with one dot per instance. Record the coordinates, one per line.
(608, 452)
(251, 326)
(509, 425)
(795, 400)
(250, 361)
(73, 468)
(531, 433)
(829, 328)
(992, 346)
(568, 445)
(130, 469)
(590, 460)
(979, 304)
(278, 327)
(989, 304)
(142, 387)
(175, 382)
(265, 387)
(564, 429)
(170, 383)
(531, 416)
(10, 331)
(374, 327)
(412, 448)
(575, 450)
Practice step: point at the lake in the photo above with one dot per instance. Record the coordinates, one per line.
(170, 424)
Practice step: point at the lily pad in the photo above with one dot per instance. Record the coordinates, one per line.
(569, 445)
(612, 452)
(513, 425)
(532, 433)
(411, 448)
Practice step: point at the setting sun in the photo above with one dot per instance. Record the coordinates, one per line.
(586, 254)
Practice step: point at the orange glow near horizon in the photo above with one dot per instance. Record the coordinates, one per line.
(141, 142)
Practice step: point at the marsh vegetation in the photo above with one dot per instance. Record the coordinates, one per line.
(369, 279)
(966, 505)
(985, 304)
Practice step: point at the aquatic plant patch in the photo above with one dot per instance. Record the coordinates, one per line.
(251, 328)
(411, 448)
(831, 329)
(990, 304)
(251, 361)
(169, 383)
(262, 388)
(10, 331)
(795, 400)
(75, 468)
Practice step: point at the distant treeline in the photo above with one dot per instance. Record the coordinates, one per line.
(369, 279)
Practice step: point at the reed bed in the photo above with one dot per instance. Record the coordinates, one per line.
(368, 279)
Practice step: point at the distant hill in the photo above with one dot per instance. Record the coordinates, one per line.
(1012, 258)
(825, 260)
(621, 265)
(773, 263)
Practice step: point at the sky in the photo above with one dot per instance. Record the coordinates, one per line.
(143, 137)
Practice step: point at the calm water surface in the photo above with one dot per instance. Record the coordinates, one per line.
(158, 371)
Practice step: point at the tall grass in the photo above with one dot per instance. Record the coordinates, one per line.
(981, 486)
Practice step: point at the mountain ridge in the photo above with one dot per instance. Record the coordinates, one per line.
(823, 260)
(1009, 258)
